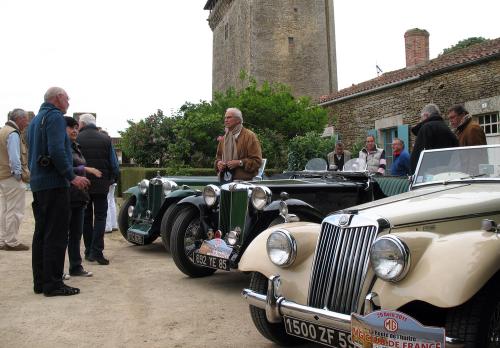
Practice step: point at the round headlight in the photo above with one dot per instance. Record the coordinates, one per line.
(130, 211)
(232, 236)
(281, 248)
(210, 194)
(143, 186)
(390, 258)
(261, 196)
(169, 186)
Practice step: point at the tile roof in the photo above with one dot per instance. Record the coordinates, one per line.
(485, 50)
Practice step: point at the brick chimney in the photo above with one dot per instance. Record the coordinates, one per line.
(416, 46)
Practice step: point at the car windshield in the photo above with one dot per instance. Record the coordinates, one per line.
(457, 164)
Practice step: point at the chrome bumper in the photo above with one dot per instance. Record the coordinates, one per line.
(276, 306)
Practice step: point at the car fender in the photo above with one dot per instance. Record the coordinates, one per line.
(298, 207)
(208, 218)
(172, 198)
(446, 269)
(132, 191)
(294, 278)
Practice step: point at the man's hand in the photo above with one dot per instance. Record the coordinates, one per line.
(220, 166)
(233, 164)
(80, 182)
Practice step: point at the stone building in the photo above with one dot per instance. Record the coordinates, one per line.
(389, 105)
(287, 41)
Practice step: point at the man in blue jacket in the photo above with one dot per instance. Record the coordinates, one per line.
(50, 163)
(401, 158)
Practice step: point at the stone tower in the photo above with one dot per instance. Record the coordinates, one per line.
(287, 41)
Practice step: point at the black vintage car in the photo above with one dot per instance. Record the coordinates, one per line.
(212, 230)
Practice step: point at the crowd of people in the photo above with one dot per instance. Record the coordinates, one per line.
(70, 166)
(431, 133)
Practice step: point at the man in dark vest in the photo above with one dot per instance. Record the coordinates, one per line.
(98, 152)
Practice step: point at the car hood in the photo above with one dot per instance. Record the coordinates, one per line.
(435, 202)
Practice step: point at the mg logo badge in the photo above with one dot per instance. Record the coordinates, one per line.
(344, 220)
(391, 324)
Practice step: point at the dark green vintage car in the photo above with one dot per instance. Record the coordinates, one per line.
(151, 206)
(211, 231)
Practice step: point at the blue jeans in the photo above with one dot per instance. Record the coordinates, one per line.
(74, 238)
(94, 223)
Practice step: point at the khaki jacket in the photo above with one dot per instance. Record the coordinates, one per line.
(249, 152)
(5, 170)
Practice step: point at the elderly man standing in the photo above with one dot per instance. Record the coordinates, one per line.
(401, 158)
(14, 175)
(373, 156)
(51, 165)
(239, 154)
(468, 132)
(339, 157)
(432, 133)
(98, 152)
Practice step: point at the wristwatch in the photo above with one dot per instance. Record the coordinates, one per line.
(241, 163)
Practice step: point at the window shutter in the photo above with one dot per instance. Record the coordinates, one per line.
(404, 134)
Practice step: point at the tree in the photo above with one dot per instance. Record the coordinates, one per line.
(303, 148)
(147, 140)
(463, 44)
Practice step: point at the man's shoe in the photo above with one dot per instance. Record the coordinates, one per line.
(101, 260)
(19, 247)
(64, 290)
(81, 273)
(88, 258)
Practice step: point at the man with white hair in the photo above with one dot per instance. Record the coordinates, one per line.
(431, 133)
(239, 154)
(51, 167)
(14, 175)
(98, 152)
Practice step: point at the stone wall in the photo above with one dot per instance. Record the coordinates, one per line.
(355, 116)
(288, 41)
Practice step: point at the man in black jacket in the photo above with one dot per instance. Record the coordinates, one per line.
(98, 152)
(432, 133)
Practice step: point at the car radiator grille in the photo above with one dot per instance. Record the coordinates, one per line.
(233, 209)
(340, 266)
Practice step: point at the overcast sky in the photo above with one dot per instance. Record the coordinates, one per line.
(125, 59)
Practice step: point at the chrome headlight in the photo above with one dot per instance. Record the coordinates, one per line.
(211, 194)
(390, 258)
(144, 186)
(168, 186)
(232, 236)
(261, 196)
(130, 211)
(281, 248)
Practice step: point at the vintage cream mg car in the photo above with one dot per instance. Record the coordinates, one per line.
(432, 254)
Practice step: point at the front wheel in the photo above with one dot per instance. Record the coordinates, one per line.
(124, 221)
(477, 321)
(272, 331)
(167, 222)
(185, 238)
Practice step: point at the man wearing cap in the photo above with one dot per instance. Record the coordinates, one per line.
(239, 154)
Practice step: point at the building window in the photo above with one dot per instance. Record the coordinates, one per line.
(490, 123)
(387, 135)
(226, 31)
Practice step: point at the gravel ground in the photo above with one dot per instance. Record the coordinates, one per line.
(140, 300)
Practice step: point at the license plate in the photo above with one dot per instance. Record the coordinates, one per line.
(318, 333)
(135, 237)
(211, 261)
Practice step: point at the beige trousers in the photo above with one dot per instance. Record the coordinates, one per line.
(12, 205)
